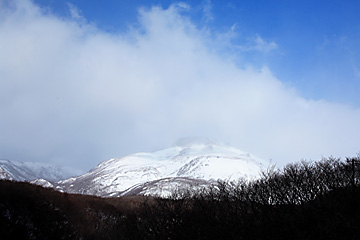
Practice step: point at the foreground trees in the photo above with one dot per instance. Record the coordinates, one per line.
(306, 200)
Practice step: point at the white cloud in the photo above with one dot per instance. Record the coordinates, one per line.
(72, 93)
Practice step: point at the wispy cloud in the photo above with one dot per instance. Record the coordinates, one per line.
(233, 44)
(72, 93)
(258, 44)
(207, 11)
(356, 70)
(75, 13)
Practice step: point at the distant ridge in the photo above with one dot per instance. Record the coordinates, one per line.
(27, 171)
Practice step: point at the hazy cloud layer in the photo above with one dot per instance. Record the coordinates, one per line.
(73, 94)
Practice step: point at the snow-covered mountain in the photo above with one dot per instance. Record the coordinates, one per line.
(27, 171)
(191, 162)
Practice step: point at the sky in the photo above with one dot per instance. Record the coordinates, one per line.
(85, 81)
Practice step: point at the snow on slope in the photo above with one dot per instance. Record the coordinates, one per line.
(164, 187)
(196, 159)
(27, 171)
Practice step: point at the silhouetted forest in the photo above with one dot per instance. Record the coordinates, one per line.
(305, 200)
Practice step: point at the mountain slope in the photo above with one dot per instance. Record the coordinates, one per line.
(27, 171)
(193, 160)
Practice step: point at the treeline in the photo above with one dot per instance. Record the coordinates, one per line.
(306, 200)
(294, 184)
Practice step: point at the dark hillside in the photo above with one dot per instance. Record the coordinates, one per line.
(32, 212)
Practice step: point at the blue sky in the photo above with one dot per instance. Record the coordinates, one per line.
(85, 81)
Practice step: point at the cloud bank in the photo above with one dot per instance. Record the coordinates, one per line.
(73, 94)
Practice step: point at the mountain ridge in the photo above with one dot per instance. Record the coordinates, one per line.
(190, 163)
(185, 164)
